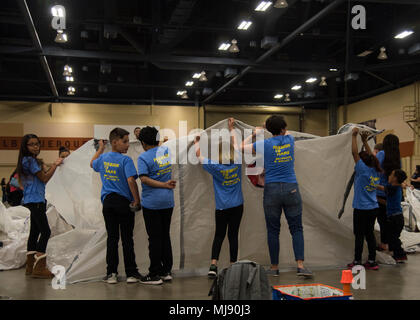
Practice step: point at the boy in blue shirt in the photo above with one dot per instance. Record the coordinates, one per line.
(229, 199)
(365, 203)
(120, 197)
(155, 172)
(395, 221)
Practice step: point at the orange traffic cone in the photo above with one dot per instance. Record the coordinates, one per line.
(346, 280)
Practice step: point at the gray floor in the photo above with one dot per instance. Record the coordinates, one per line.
(390, 282)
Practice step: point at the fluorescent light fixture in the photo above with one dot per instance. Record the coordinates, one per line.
(189, 83)
(71, 91)
(224, 46)
(184, 95)
(244, 25)
(180, 93)
(297, 87)
(278, 96)
(69, 79)
(333, 69)
(263, 6)
(365, 53)
(196, 75)
(404, 34)
(311, 80)
(287, 98)
(67, 70)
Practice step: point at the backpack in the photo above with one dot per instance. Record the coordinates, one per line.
(243, 280)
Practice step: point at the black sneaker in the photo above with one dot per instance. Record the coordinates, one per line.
(304, 272)
(212, 271)
(136, 277)
(152, 280)
(166, 277)
(273, 272)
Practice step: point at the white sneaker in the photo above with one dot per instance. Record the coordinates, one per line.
(111, 278)
(166, 277)
(135, 278)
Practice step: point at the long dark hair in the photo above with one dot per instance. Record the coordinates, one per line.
(370, 160)
(392, 159)
(24, 152)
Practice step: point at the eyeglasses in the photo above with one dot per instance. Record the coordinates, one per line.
(37, 144)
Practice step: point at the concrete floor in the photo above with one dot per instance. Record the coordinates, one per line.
(390, 282)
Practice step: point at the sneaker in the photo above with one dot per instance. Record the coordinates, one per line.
(371, 265)
(354, 263)
(212, 271)
(166, 277)
(401, 259)
(273, 272)
(304, 272)
(111, 278)
(152, 280)
(134, 278)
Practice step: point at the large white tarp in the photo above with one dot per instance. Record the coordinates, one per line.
(324, 167)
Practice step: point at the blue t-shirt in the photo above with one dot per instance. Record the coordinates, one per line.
(279, 159)
(365, 182)
(33, 188)
(226, 182)
(156, 164)
(115, 168)
(382, 177)
(393, 199)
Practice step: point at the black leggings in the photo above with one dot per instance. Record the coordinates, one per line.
(227, 218)
(363, 226)
(39, 226)
(383, 222)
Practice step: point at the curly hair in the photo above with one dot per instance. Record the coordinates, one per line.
(149, 135)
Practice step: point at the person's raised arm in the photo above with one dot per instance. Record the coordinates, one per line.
(365, 136)
(98, 153)
(170, 184)
(234, 140)
(354, 149)
(134, 190)
(46, 176)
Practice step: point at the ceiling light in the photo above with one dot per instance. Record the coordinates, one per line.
(196, 75)
(224, 46)
(180, 93)
(281, 4)
(244, 25)
(296, 87)
(287, 98)
(184, 95)
(263, 6)
(189, 83)
(61, 37)
(67, 70)
(323, 83)
(311, 80)
(278, 96)
(404, 34)
(333, 69)
(71, 91)
(58, 11)
(202, 77)
(365, 53)
(69, 79)
(234, 47)
(382, 54)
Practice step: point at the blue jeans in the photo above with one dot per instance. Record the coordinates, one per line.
(279, 196)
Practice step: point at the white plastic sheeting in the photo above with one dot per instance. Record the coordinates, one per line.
(324, 166)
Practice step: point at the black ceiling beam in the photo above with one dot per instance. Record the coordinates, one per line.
(277, 47)
(37, 42)
(388, 1)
